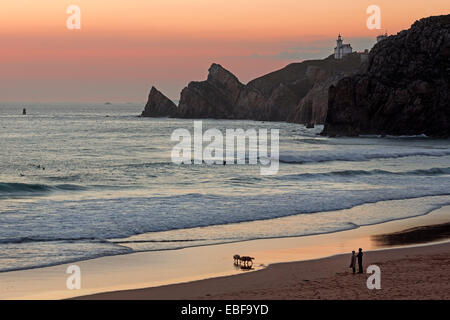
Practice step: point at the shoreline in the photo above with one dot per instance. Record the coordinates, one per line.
(323, 278)
(172, 267)
(408, 270)
(113, 240)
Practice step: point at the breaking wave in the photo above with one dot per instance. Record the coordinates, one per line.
(8, 188)
(360, 156)
(349, 173)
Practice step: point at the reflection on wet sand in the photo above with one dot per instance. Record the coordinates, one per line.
(415, 235)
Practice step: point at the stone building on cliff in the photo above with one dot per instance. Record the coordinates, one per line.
(342, 49)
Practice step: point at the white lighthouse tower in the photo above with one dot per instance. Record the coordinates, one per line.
(341, 49)
(339, 41)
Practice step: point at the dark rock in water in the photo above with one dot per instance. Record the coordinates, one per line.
(24, 111)
(405, 91)
(159, 105)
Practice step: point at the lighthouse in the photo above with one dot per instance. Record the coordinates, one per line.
(341, 49)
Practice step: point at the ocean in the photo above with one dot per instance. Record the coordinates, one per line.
(79, 181)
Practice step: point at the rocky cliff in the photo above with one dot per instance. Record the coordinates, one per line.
(405, 90)
(215, 97)
(313, 107)
(284, 95)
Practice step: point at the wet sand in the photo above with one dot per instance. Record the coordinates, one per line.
(409, 273)
(286, 268)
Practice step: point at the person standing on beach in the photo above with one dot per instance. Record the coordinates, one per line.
(359, 256)
(353, 262)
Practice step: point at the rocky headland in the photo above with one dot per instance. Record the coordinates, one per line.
(405, 90)
(402, 87)
(297, 93)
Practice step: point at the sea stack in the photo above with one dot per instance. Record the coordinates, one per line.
(159, 105)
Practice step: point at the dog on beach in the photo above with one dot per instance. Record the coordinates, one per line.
(244, 261)
(247, 261)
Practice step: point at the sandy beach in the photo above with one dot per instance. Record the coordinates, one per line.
(417, 272)
(410, 273)
(309, 267)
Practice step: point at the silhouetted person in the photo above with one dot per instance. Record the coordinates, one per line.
(353, 262)
(359, 256)
(24, 111)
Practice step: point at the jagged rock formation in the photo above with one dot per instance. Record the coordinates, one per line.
(406, 89)
(277, 96)
(214, 98)
(158, 105)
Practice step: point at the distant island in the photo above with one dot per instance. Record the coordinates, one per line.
(400, 87)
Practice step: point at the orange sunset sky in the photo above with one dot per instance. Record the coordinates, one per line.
(126, 46)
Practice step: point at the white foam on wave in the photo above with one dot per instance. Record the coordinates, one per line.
(358, 154)
(125, 216)
(296, 225)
